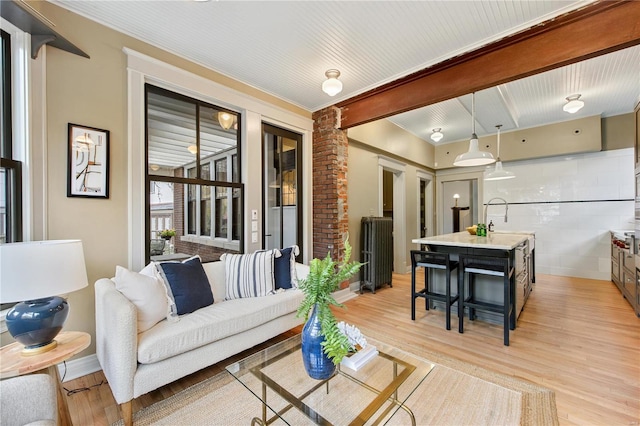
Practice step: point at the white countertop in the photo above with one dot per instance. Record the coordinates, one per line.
(495, 240)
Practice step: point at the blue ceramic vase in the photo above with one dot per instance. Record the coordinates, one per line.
(316, 362)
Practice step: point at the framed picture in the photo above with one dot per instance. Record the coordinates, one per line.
(88, 162)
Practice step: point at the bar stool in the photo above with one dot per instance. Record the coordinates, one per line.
(432, 260)
(472, 265)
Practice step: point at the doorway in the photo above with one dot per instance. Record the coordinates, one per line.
(394, 172)
(460, 197)
(282, 188)
(425, 225)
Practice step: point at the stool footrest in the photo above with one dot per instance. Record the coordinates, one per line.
(435, 296)
(485, 306)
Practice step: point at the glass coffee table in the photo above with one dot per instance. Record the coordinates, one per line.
(371, 395)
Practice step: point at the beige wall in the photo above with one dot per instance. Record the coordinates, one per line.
(93, 92)
(617, 132)
(589, 134)
(367, 145)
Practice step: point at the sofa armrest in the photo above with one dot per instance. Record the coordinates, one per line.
(116, 338)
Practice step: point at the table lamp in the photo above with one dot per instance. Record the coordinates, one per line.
(35, 274)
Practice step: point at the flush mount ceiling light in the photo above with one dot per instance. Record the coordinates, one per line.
(225, 119)
(192, 149)
(332, 86)
(573, 105)
(499, 173)
(474, 157)
(437, 135)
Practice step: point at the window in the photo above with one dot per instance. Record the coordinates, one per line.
(10, 167)
(195, 147)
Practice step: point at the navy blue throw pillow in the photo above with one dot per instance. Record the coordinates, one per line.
(284, 267)
(187, 285)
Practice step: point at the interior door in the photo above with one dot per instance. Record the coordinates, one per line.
(282, 187)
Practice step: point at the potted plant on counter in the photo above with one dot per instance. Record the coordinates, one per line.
(323, 344)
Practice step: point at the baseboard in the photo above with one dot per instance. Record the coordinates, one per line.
(348, 293)
(75, 368)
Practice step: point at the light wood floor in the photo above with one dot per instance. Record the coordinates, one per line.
(575, 336)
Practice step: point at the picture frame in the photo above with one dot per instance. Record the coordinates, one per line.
(88, 162)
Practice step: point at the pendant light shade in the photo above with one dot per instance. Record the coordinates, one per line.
(474, 157)
(332, 86)
(225, 119)
(437, 135)
(573, 105)
(499, 173)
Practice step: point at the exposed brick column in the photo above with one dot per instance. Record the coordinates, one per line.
(330, 208)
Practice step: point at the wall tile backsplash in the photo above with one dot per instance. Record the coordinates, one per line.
(571, 203)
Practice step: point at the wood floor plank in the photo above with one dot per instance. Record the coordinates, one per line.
(576, 336)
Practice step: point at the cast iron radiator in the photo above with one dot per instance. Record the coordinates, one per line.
(376, 238)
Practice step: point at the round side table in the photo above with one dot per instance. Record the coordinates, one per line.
(13, 363)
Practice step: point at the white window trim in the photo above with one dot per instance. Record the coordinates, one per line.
(143, 69)
(28, 97)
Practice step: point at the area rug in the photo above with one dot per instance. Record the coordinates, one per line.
(454, 393)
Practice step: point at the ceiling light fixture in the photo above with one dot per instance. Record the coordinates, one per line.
(225, 119)
(332, 86)
(192, 149)
(499, 173)
(573, 105)
(474, 157)
(437, 135)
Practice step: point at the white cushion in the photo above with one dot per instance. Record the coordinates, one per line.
(216, 275)
(249, 275)
(212, 323)
(146, 292)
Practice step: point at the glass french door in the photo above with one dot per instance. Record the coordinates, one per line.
(282, 187)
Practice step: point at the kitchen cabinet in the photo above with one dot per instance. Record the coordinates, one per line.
(624, 273)
(616, 275)
(518, 245)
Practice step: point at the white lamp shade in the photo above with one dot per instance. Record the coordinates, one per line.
(474, 157)
(39, 269)
(437, 135)
(332, 86)
(573, 105)
(499, 173)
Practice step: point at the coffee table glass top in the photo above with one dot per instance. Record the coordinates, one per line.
(371, 395)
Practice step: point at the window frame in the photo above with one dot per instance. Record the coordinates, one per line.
(237, 245)
(12, 221)
(228, 156)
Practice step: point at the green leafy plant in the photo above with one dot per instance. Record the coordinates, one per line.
(167, 233)
(325, 276)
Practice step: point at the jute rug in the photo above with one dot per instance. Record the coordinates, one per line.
(454, 393)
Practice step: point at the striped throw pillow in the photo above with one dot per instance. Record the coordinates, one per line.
(249, 275)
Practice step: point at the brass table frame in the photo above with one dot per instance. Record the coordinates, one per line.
(389, 393)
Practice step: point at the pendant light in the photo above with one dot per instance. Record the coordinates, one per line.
(474, 157)
(499, 173)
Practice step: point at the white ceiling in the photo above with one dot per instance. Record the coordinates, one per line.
(284, 48)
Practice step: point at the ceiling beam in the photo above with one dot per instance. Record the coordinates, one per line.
(594, 30)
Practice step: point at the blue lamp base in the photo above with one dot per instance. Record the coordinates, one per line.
(35, 323)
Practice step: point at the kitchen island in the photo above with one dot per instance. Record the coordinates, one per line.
(518, 245)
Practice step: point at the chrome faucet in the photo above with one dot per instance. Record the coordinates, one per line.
(506, 208)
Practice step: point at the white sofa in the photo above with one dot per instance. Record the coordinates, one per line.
(137, 363)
